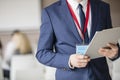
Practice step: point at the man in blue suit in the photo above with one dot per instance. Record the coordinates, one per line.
(67, 23)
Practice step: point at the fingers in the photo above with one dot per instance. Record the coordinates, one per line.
(82, 57)
(84, 60)
(104, 52)
(110, 52)
(82, 65)
(79, 61)
(111, 45)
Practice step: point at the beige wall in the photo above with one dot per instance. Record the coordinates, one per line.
(115, 10)
(19, 14)
(34, 35)
(47, 2)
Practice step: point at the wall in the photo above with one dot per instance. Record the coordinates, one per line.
(115, 10)
(47, 2)
(5, 35)
(19, 14)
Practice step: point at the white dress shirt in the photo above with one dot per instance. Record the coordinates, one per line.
(74, 5)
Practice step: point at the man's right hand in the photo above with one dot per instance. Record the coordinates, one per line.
(79, 61)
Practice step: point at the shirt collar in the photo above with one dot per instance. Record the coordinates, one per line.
(75, 4)
(84, 3)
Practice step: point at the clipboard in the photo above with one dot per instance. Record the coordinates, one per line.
(100, 39)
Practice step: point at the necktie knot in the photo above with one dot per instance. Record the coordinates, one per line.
(80, 6)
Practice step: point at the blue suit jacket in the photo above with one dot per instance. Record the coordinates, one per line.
(59, 36)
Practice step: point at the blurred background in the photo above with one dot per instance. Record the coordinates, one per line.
(22, 18)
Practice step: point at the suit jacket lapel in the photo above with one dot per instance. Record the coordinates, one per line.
(94, 12)
(69, 20)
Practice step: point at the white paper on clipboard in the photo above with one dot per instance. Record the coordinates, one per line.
(100, 39)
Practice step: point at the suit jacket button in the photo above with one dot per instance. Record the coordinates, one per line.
(64, 69)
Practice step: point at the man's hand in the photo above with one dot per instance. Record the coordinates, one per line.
(110, 51)
(78, 60)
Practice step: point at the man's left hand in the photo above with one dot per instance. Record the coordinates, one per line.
(110, 51)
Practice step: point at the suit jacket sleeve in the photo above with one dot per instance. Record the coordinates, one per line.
(109, 25)
(45, 53)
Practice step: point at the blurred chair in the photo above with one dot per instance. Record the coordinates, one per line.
(116, 70)
(49, 73)
(31, 74)
(25, 67)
